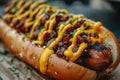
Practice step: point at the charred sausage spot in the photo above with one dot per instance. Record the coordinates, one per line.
(97, 46)
(97, 57)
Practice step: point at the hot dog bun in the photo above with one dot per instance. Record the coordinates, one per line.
(29, 53)
(81, 37)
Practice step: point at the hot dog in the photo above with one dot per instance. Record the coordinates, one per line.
(59, 44)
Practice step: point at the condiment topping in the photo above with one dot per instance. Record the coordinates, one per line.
(57, 31)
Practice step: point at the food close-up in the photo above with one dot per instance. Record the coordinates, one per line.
(55, 43)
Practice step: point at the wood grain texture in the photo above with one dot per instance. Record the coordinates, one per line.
(12, 68)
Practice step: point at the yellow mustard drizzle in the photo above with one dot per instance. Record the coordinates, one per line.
(37, 20)
(20, 3)
(73, 56)
(69, 52)
(17, 17)
(25, 14)
(44, 59)
(41, 36)
(48, 27)
(46, 52)
(23, 8)
(10, 6)
(51, 22)
(8, 16)
(8, 9)
(29, 22)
